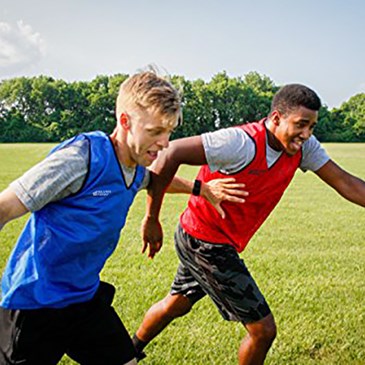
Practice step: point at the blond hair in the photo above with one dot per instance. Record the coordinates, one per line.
(148, 91)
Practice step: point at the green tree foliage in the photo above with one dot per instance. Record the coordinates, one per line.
(330, 127)
(344, 124)
(42, 109)
(223, 102)
(353, 112)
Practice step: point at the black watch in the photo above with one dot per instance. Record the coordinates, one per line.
(197, 187)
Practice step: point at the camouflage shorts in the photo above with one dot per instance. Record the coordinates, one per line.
(217, 270)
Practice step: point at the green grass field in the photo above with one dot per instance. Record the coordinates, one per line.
(308, 259)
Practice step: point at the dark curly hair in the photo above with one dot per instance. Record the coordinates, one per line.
(292, 96)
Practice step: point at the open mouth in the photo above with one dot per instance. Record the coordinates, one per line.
(296, 144)
(152, 154)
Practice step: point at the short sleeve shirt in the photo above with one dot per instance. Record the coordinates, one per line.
(59, 175)
(229, 150)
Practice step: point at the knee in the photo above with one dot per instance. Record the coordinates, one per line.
(176, 306)
(264, 330)
(269, 332)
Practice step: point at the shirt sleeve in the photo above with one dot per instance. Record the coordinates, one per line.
(228, 150)
(60, 174)
(314, 155)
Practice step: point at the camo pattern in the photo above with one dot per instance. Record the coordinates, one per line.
(217, 270)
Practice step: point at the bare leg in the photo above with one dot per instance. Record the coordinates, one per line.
(257, 342)
(161, 314)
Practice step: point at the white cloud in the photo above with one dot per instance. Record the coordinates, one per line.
(20, 47)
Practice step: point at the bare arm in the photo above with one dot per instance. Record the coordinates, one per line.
(183, 151)
(10, 207)
(214, 191)
(349, 186)
(180, 185)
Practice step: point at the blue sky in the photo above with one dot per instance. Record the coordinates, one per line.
(320, 43)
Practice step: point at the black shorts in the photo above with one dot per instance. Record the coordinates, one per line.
(91, 333)
(217, 270)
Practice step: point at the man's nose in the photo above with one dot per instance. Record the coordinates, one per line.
(164, 141)
(306, 133)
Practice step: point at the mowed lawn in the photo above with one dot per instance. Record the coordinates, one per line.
(308, 259)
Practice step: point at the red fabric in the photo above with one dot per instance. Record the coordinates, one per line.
(265, 185)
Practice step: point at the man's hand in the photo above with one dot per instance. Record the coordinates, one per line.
(218, 190)
(152, 236)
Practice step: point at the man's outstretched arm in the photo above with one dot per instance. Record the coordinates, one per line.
(186, 150)
(183, 151)
(349, 186)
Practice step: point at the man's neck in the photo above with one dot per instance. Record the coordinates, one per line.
(271, 139)
(121, 149)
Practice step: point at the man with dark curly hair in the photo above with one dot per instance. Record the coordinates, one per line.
(264, 155)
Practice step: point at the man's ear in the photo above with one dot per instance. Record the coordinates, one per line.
(275, 117)
(124, 120)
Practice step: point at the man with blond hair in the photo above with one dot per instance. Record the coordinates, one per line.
(53, 302)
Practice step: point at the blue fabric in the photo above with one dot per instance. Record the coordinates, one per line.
(64, 246)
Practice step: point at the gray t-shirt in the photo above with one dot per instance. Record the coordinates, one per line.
(229, 150)
(59, 175)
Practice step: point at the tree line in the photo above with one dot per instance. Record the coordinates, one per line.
(42, 109)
